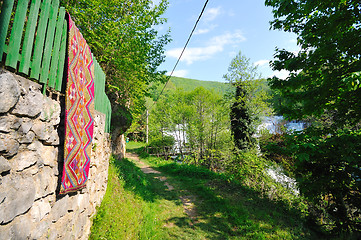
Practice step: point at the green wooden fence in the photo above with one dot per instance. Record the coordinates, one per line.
(102, 103)
(33, 42)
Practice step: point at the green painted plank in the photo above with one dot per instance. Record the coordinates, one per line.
(63, 48)
(16, 33)
(49, 42)
(5, 15)
(96, 83)
(40, 36)
(28, 43)
(108, 116)
(56, 48)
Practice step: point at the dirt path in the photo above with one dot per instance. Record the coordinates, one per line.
(188, 200)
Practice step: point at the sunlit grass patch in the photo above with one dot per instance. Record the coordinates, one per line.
(139, 206)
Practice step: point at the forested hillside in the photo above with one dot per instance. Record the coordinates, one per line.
(188, 84)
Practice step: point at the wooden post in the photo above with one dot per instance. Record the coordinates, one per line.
(147, 128)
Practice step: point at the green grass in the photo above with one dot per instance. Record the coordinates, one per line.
(134, 145)
(138, 206)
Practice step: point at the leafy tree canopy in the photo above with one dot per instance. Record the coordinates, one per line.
(324, 84)
(124, 40)
(249, 103)
(325, 73)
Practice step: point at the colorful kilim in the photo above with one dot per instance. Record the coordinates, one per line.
(79, 123)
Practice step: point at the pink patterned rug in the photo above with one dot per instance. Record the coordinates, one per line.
(79, 122)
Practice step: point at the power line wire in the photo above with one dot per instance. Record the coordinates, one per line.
(180, 56)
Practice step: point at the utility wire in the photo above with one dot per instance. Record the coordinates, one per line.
(180, 56)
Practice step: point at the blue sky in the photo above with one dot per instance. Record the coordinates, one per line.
(226, 27)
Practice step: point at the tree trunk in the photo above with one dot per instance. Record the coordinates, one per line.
(118, 143)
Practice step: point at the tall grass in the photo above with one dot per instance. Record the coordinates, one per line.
(138, 206)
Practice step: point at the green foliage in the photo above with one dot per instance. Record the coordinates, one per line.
(325, 71)
(200, 116)
(274, 148)
(241, 127)
(323, 87)
(190, 84)
(329, 175)
(250, 101)
(158, 145)
(122, 37)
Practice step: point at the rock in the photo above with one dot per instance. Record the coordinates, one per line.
(79, 224)
(24, 160)
(25, 125)
(51, 111)
(30, 102)
(27, 138)
(35, 146)
(16, 124)
(6, 231)
(60, 208)
(39, 230)
(4, 165)
(53, 139)
(42, 131)
(20, 228)
(6, 122)
(8, 145)
(45, 182)
(48, 154)
(39, 209)
(19, 197)
(9, 92)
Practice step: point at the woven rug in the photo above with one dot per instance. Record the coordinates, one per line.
(79, 122)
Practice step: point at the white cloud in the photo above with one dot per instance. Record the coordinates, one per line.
(214, 46)
(205, 30)
(179, 73)
(261, 62)
(202, 31)
(211, 14)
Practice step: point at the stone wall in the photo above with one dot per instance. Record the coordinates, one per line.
(31, 160)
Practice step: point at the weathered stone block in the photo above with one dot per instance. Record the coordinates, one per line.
(51, 111)
(8, 145)
(24, 160)
(53, 139)
(4, 165)
(27, 138)
(39, 209)
(42, 130)
(29, 105)
(9, 92)
(60, 208)
(20, 228)
(6, 231)
(35, 146)
(40, 229)
(25, 125)
(19, 197)
(45, 182)
(6, 123)
(48, 154)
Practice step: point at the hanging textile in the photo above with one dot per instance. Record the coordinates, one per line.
(79, 103)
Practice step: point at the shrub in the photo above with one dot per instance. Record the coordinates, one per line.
(328, 170)
(160, 144)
